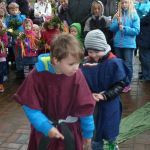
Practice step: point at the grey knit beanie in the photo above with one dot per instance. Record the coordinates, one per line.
(95, 40)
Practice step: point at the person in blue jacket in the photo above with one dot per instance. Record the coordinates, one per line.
(125, 26)
(106, 76)
(142, 7)
(14, 21)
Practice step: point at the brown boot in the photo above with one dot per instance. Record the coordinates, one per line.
(2, 88)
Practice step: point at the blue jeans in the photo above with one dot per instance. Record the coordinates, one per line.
(29, 60)
(97, 145)
(19, 63)
(144, 56)
(19, 60)
(127, 55)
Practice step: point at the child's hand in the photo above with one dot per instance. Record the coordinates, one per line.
(98, 96)
(87, 144)
(54, 133)
(121, 27)
(118, 17)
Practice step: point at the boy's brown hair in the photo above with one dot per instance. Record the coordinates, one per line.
(64, 45)
(13, 5)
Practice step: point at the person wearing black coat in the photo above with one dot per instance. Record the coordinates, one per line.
(79, 10)
(144, 47)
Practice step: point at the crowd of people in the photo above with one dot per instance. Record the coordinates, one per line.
(75, 56)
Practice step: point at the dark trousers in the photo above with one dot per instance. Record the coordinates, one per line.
(127, 55)
(144, 56)
(2, 71)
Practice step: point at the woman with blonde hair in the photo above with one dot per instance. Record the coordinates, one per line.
(125, 26)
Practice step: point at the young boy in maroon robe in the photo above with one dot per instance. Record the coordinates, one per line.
(56, 98)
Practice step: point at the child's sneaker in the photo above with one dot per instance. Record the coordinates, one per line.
(117, 147)
(5, 78)
(2, 88)
(126, 89)
(113, 146)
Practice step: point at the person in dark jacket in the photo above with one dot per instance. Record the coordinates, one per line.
(79, 10)
(63, 12)
(106, 76)
(23, 6)
(144, 47)
(110, 7)
(98, 21)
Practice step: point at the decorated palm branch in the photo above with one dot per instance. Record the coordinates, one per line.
(2, 32)
(14, 24)
(55, 22)
(10, 31)
(41, 43)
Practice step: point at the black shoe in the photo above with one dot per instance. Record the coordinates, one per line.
(19, 74)
(139, 73)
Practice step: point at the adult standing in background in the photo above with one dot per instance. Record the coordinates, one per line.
(79, 10)
(142, 7)
(41, 11)
(110, 7)
(23, 6)
(144, 47)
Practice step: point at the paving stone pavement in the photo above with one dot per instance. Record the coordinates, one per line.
(15, 129)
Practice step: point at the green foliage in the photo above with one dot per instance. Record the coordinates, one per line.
(41, 43)
(11, 32)
(22, 36)
(54, 8)
(55, 22)
(15, 33)
(2, 32)
(14, 24)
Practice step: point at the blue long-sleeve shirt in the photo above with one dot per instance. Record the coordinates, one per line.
(42, 124)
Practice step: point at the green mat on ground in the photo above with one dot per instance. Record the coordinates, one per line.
(134, 124)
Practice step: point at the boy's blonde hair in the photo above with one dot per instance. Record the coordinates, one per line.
(64, 45)
(131, 8)
(13, 5)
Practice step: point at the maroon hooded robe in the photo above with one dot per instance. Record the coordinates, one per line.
(57, 96)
